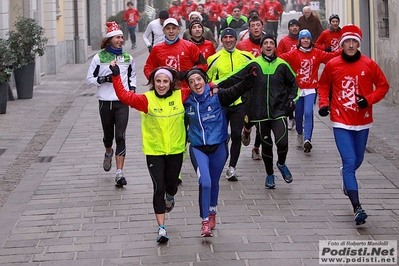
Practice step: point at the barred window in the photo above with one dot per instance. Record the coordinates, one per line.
(383, 19)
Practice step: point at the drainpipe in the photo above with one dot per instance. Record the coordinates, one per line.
(76, 30)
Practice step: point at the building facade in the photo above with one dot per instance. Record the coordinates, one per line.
(73, 27)
(377, 19)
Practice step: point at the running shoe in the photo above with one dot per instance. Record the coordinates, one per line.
(285, 172)
(162, 234)
(360, 216)
(231, 174)
(212, 220)
(270, 182)
(120, 180)
(107, 163)
(245, 137)
(291, 124)
(299, 141)
(206, 229)
(307, 146)
(169, 203)
(256, 154)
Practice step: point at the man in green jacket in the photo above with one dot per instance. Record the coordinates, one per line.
(272, 97)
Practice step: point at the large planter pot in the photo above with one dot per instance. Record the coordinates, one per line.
(3, 97)
(24, 80)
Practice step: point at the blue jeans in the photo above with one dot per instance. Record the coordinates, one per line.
(208, 167)
(132, 33)
(351, 146)
(304, 109)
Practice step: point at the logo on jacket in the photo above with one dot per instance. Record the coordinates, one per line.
(191, 111)
(305, 70)
(347, 95)
(173, 62)
(171, 103)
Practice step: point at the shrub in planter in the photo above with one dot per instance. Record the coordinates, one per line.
(27, 42)
(7, 61)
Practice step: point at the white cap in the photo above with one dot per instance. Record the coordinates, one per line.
(170, 21)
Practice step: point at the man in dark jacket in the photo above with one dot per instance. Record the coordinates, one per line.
(310, 22)
(275, 83)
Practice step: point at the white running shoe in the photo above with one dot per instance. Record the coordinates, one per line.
(299, 141)
(231, 174)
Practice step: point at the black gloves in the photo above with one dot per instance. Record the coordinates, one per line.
(290, 105)
(361, 102)
(328, 49)
(149, 48)
(324, 110)
(115, 70)
(103, 79)
(249, 78)
(182, 74)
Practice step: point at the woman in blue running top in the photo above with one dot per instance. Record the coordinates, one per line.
(208, 134)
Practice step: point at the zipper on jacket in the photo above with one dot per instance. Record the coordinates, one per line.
(200, 122)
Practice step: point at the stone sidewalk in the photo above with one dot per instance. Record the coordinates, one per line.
(59, 207)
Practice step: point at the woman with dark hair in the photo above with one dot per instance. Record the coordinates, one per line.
(164, 135)
(114, 114)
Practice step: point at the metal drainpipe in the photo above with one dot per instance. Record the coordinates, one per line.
(76, 30)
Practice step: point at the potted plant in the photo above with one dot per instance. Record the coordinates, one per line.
(27, 42)
(7, 61)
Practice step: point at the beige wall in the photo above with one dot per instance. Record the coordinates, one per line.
(386, 49)
(383, 50)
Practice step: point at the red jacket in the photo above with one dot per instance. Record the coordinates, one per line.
(225, 9)
(182, 56)
(286, 44)
(273, 10)
(207, 48)
(212, 10)
(132, 17)
(345, 79)
(329, 38)
(186, 9)
(175, 12)
(306, 65)
(247, 45)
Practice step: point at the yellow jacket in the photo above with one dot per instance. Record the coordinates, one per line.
(163, 127)
(223, 63)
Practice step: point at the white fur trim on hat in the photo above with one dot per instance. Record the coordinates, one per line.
(351, 31)
(197, 14)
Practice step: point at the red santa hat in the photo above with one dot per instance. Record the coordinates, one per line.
(112, 29)
(351, 31)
